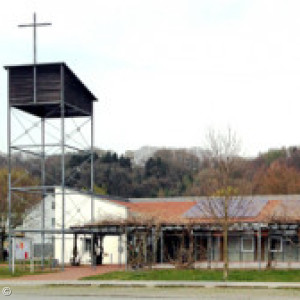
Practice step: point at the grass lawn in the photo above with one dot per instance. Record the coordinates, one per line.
(208, 275)
(47, 262)
(5, 273)
(20, 271)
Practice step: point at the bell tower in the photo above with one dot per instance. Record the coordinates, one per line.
(49, 115)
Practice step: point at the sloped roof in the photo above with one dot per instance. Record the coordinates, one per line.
(166, 211)
(285, 211)
(237, 207)
(240, 210)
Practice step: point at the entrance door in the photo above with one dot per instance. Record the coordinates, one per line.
(201, 248)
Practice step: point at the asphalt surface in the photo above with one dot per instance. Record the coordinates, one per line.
(116, 293)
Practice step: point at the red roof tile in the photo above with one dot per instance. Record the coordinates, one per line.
(174, 211)
(161, 210)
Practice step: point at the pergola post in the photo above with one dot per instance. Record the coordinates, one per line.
(101, 238)
(93, 256)
(126, 249)
(298, 248)
(283, 250)
(209, 250)
(119, 249)
(259, 247)
(75, 249)
(195, 248)
(269, 253)
(145, 242)
(241, 247)
(154, 246)
(161, 246)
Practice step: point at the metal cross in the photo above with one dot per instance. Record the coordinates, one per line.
(34, 25)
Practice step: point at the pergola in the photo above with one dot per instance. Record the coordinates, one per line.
(153, 236)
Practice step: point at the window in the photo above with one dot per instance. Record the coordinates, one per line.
(247, 244)
(87, 245)
(53, 222)
(275, 244)
(53, 205)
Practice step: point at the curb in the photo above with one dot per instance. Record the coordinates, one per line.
(160, 284)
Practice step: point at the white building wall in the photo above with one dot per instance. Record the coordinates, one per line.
(33, 219)
(114, 250)
(78, 212)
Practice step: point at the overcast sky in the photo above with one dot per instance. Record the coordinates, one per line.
(166, 71)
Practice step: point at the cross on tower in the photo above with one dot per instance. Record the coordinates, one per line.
(34, 25)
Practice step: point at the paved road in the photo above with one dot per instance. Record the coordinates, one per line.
(116, 293)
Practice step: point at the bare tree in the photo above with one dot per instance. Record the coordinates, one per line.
(142, 233)
(223, 204)
(183, 248)
(21, 202)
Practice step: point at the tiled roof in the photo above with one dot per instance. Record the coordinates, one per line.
(164, 211)
(190, 211)
(238, 207)
(285, 211)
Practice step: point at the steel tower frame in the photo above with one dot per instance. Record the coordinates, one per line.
(39, 150)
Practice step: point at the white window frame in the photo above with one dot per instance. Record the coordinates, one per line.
(252, 243)
(275, 238)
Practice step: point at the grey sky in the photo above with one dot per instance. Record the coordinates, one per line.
(165, 71)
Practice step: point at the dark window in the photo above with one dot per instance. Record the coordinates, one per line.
(87, 245)
(276, 244)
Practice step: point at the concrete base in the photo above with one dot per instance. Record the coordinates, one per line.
(150, 283)
(236, 265)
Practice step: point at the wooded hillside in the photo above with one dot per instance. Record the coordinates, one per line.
(171, 173)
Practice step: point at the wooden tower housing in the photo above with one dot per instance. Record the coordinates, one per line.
(40, 90)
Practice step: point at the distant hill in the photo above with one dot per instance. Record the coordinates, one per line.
(140, 156)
